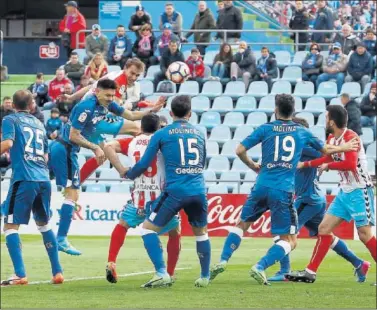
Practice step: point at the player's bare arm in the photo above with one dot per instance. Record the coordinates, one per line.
(242, 154)
(111, 149)
(350, 146)
(6, 145)
(138, 115)
(77, 95)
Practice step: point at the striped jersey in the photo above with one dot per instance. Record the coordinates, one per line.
(119, 78)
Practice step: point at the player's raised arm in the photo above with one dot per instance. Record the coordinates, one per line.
(251, 141)
(138, 115)
(112, 149)
(8, 135)
(77, 95)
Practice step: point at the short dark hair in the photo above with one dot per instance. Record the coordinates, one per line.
(195, 50)
(338, 114)
(107, 84)
(150, 123)
(265, 48)
(7, 98)
(301, 121)
(345, 95)
(173, 42)
(369, 30)
(40, 75)
(22, 99)
(181, 106)
(55, 110)
(285, 104)
(120, 26)
(74, 54)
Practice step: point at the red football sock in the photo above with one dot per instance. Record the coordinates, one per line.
(88, 169)
(372, 247)
(117, 239)
(173, 249)
(321, 248)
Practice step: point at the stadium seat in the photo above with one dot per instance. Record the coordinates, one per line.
(256, 152)
(209, 57)
(166, 113)
(168, 104)
(351, 88)
(81, 52)
(324, 54)
(212, 148)
(194, 118)
(200, 104)
(246, 104)
(96, 188)
(308, 116)
(298, 58)
(240, 167)
(292, 74)
(273, 117)
(258, 89)
(229, 149)
(367, 137)
(267, 104)
(190, 88)
(229, 176)
(251, 176)
(146, 87)
(256, 119)
(298, 103)
(81, 159)
(281, 87)
(327, 90)
(46, 115)
(321, 122)
(234, 120)
(283, 58)
(218, 189)
(122, 188)
(319, 132)
(152, 70)
(203, 129)
(125, 160)
(277, 78)
(335, 101)
(157, 93)
(315, 105)
(187, 54)
(207, 72)
(8, 173)
(371, 151)
(371, 166)
(242, 132)
(246, 188)
(235, 89)
(113, 68)
(152, 98)
(220, 134)
(5, 184)
(257, 54)
(219, 164)
(210, 119)
(335, 191)
(222, 104)
(304, 89)
(367, 89)
(86, 152)
(330, 176)
(210, 178)
(109, 174)
(212, 89)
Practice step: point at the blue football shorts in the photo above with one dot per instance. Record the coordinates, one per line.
(283, 215)
(25, 197)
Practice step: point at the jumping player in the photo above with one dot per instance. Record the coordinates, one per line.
(147, 188)
(355, 200)
(30, 190)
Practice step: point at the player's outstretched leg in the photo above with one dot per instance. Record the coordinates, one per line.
(285, 267)
(89, 167)
(173, 249)
(203, 248)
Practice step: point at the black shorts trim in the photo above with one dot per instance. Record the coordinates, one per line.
(12, 200)
(301, 208)
(161, 202)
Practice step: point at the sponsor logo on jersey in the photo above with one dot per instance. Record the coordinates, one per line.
(281, 165)
(143, 142)
(189, 170)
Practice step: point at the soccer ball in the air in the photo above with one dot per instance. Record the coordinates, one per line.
(178, 72)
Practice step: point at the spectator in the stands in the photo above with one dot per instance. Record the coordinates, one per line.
(74, 69)
(36, 112)
(96, 42)
(196, 65)
(97, 67)
(162, 42)
(72, 23)
(361, 25)
(229, 18)
(4, 73)
(56, 88)
(300, 21)
(120, 48)
(84, 82)
(203, 20)
(173, 54)
(63, 106)
(323, 21)
(368, 107)
(346, 15)
(220, 5)
(267, 68)
(139, 19)
(54, 124)
(6, 108)
(144, 46)
(354, 113)
(337, 24)
(370, 41)
(334, 67)
(312, 64)
(222, 61)
(360, 66)
(172, 17)
(39, 90)
(347, 39)
(244, 64)
(64, 118)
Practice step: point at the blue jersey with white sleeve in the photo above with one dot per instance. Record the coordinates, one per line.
(86, 115)
(183, 148)
(29, 147)
(282, 146)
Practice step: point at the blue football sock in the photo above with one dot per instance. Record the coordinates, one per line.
(232, 243)
(342, 250)
(153, 246)
(51, 245)
(275, 254)
(15, 251)
(66, 213)
(203, 248)
(285, 264)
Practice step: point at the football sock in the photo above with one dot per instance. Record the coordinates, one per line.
(66, 213)
(116, 242)
(232, 243)
(275, 254)
(372, 247)
(14, 248)
(285, 264)
(203, 248)
(340, 247)
(320, 250)
(51, 245)
(173, 249)
(88, 169)
(153, 246)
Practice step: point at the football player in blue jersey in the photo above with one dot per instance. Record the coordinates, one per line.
(282, 144)
(184, 153)
(30, 190)
(310, 204)
(80, 128)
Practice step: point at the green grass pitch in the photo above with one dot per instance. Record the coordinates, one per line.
(335, 286)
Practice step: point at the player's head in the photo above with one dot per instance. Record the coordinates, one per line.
(181, 107)
(105, 91)
(336, 118)
(284, 106)
(133, 69)
(22, 100)
(301, 121)
(150, 123)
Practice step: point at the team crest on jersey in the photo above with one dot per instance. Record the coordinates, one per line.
(83, 116)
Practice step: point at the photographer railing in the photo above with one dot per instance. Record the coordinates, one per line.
(1, 47)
